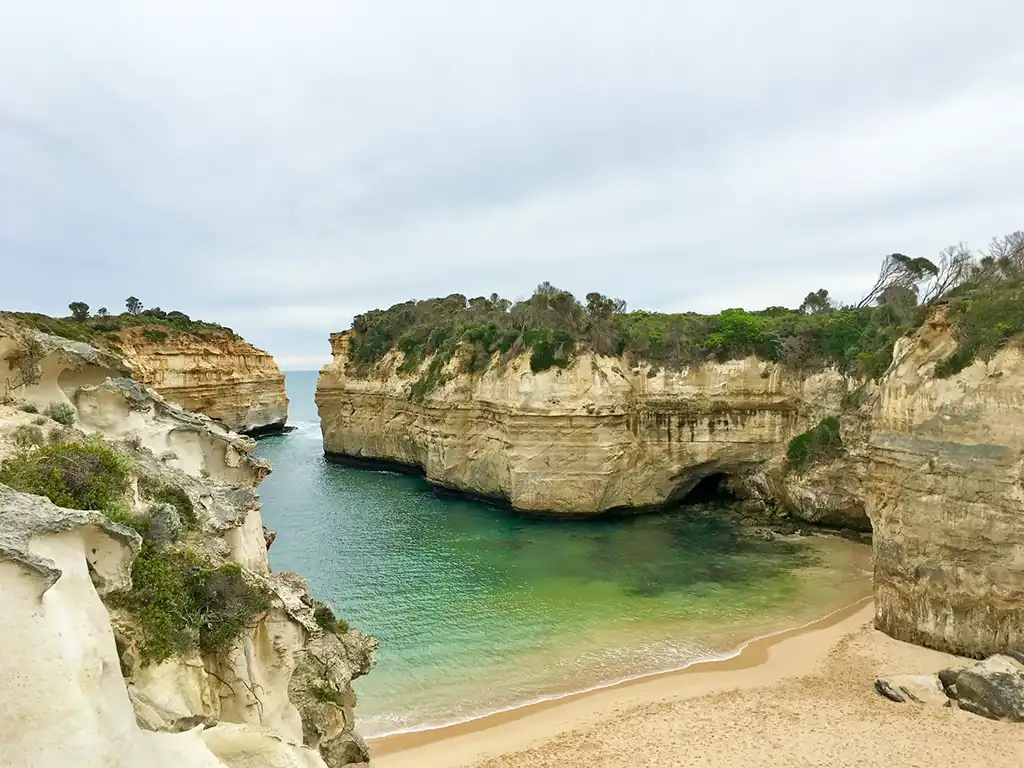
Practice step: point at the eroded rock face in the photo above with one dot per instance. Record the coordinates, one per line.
(65, 704)
(248, 684)
(945, 495)
(593, 437)
(223, 377)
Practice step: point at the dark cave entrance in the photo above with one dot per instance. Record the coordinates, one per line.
(710, 489)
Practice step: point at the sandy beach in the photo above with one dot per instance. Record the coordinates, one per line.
(804, 697)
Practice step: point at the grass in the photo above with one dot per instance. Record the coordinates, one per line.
(821, 443)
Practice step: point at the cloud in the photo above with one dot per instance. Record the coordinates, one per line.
(279, 170)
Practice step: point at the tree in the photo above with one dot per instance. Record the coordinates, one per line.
(902, 271)
(955, 266)
(102, 312)
(79, 310)
(817, 302)
(133, 304)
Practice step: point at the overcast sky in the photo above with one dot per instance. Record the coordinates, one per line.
(278, 167)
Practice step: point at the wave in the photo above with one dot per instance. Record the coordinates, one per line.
(705, 659)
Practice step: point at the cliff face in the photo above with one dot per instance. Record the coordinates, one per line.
(593, 437)
(223, 377)
(945, 494)
(83, 693)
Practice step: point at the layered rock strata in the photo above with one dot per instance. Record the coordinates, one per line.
(595, 437)
(223, 377)
(945, 493)
(81, 692)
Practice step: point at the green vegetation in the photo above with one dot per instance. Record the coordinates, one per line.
(28, 407)
(985, 318)
(27, 436)
(818, 444)
(62, 413)
(327, 694)
(326, 620)
(159, 492)
(552, 326)
(101, 330)
(180, 603)
(86, 475)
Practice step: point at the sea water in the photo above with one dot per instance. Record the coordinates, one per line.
(478, 610)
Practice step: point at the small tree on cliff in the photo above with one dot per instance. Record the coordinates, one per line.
(133, 304)
(102, 312)
(79, 310)
(817, 302)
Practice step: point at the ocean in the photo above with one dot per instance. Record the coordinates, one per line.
(479, 610)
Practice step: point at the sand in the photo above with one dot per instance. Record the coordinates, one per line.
(804, 697)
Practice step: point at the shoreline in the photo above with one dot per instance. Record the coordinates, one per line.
(521, 726)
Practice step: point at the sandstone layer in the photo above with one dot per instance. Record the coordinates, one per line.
(81, 692)
(933, 466)
(221, 376)
(590, 438)
(945, 493)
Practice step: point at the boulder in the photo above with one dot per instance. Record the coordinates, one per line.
(993, 688)
(920, 689)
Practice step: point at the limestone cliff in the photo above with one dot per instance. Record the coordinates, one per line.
(220, 375)
(945, 493)
(593, 437)
(278, 693)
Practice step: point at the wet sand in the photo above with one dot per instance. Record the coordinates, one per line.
(801, 697)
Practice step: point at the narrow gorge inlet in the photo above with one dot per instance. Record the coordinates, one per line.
(478, 609)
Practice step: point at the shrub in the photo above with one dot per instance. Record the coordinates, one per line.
(157, 491)
(28, 437)
(28, 407)
(153, 335)
(326, 620)
(40, 421)
(984, 320)
(62, 413)
(74, 475)
(327, 694)
(818, 444)
(122, 514)
(180, 603)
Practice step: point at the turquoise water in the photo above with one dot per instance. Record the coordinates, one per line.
(478, 610)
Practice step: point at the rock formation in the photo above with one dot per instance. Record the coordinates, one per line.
(934, 466)
(81, 689)
(593, 437)
(944, 492)
(221, 376)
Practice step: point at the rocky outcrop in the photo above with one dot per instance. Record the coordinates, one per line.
(221, 376)
(945, 491)
(245, 704)
(590, 438)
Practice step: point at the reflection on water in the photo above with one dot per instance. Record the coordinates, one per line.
(477, 609)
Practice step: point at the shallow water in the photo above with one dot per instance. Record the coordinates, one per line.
(478, 610)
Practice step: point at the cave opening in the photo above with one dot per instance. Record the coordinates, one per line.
(710, 489)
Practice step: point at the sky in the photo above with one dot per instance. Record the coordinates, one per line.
(279, 167)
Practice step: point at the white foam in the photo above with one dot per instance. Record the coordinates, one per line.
(600, 686)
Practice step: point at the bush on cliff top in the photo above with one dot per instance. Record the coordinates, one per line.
(100, 331)
(552, 325)
(818, 444)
